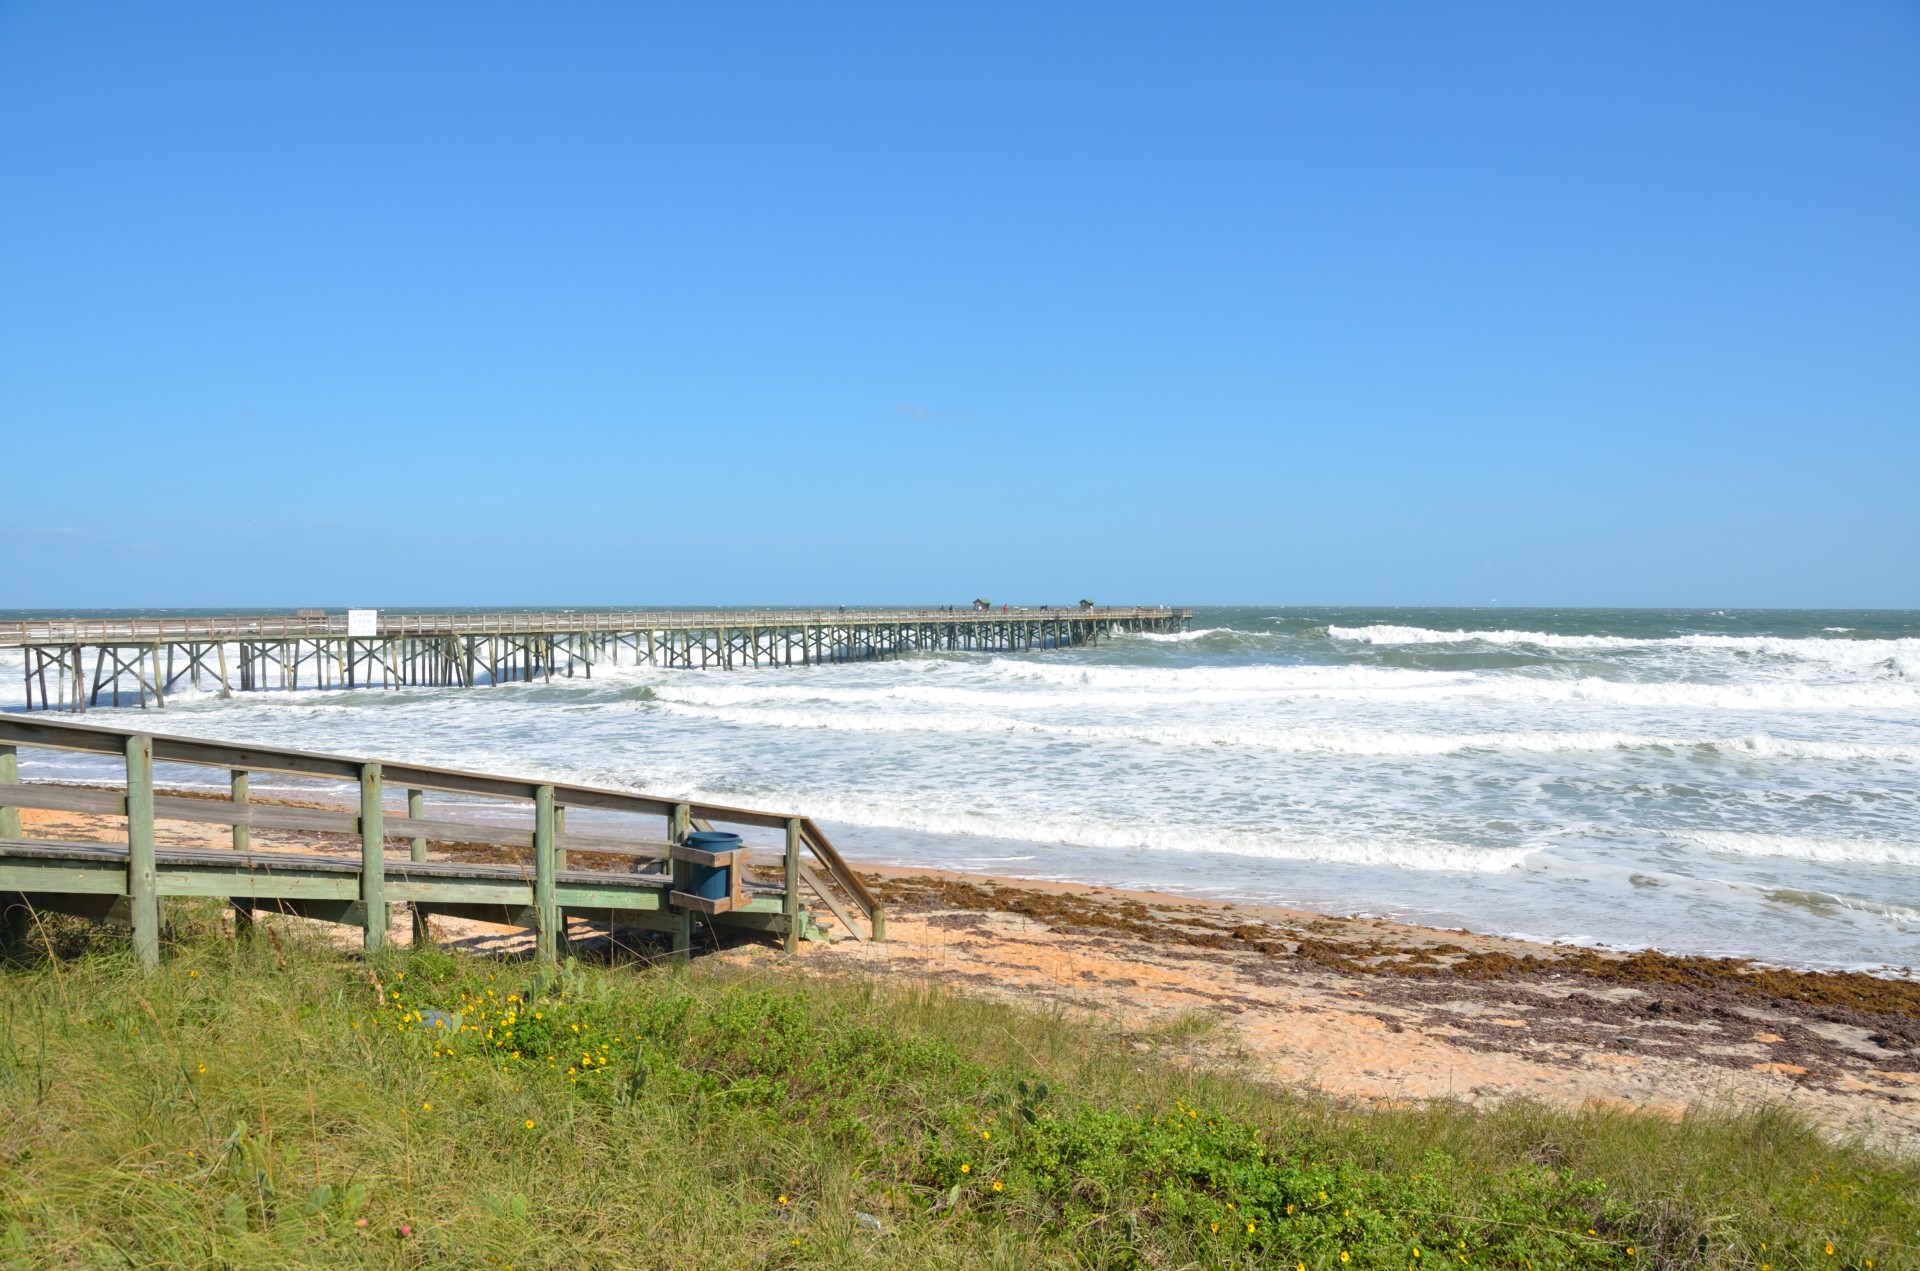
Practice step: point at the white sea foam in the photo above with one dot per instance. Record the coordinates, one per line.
(1830, 851)
(1180, 637)
(1301, 741)
(1408, 685)
(1093, 832)
(1900, 653)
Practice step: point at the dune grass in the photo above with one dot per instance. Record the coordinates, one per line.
(284, 1103)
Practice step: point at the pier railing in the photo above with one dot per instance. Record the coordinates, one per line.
(508, 854)
(401, 625)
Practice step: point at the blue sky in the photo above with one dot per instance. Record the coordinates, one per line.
(477, 304)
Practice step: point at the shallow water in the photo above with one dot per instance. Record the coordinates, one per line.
(1719, 782)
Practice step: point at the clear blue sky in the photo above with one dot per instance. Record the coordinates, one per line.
(578, 304)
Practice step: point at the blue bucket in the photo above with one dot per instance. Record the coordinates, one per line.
(711, 882)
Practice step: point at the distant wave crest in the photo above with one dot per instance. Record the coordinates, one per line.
(1834, 851)
(1856, 652)
(1093, 833)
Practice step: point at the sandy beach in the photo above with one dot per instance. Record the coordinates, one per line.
(1363, 1010)
(1376, 1011)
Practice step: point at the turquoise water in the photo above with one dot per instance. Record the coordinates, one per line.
(1732, 782)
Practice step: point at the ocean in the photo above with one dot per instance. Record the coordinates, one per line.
(1723, 782)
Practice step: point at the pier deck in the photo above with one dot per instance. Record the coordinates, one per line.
(330, 862)
(71, 664)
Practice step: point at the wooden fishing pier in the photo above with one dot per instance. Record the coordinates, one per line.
(463, 845)
(73, 663)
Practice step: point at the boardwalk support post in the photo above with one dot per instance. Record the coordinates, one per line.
(790, 903)
(143, 886)
(417, 851)
(546, 911)
(373, 858)
(14, 923)
(677, 825)
(242, 842)
(9, 775)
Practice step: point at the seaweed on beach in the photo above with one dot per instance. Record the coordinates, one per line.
(1336, 946)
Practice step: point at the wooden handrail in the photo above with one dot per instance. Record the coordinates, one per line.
(142, 804)
(170, 748)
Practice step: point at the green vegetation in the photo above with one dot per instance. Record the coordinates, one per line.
(283, 1103)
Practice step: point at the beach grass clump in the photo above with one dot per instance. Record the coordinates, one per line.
(281, 1102)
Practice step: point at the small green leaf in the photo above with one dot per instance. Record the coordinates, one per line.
(318, 1199)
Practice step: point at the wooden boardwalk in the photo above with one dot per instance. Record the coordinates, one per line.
(71, 664)
(332, 862)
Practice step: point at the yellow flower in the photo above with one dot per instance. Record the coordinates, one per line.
(193, 975)
(783, 1200)
(426, 1107)
(1216, 1226)
(986, 1134)
(1829, 1248)
(1343, 1255)
(996, 1184)
(529, 1123)
(203, 1067)
(966, 1169)
(1249, 1226)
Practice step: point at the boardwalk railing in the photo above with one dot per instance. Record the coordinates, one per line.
(507, 854)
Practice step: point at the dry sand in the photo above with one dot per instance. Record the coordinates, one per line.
(1363, 1009)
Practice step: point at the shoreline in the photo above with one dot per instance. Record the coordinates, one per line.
(1520, 943)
